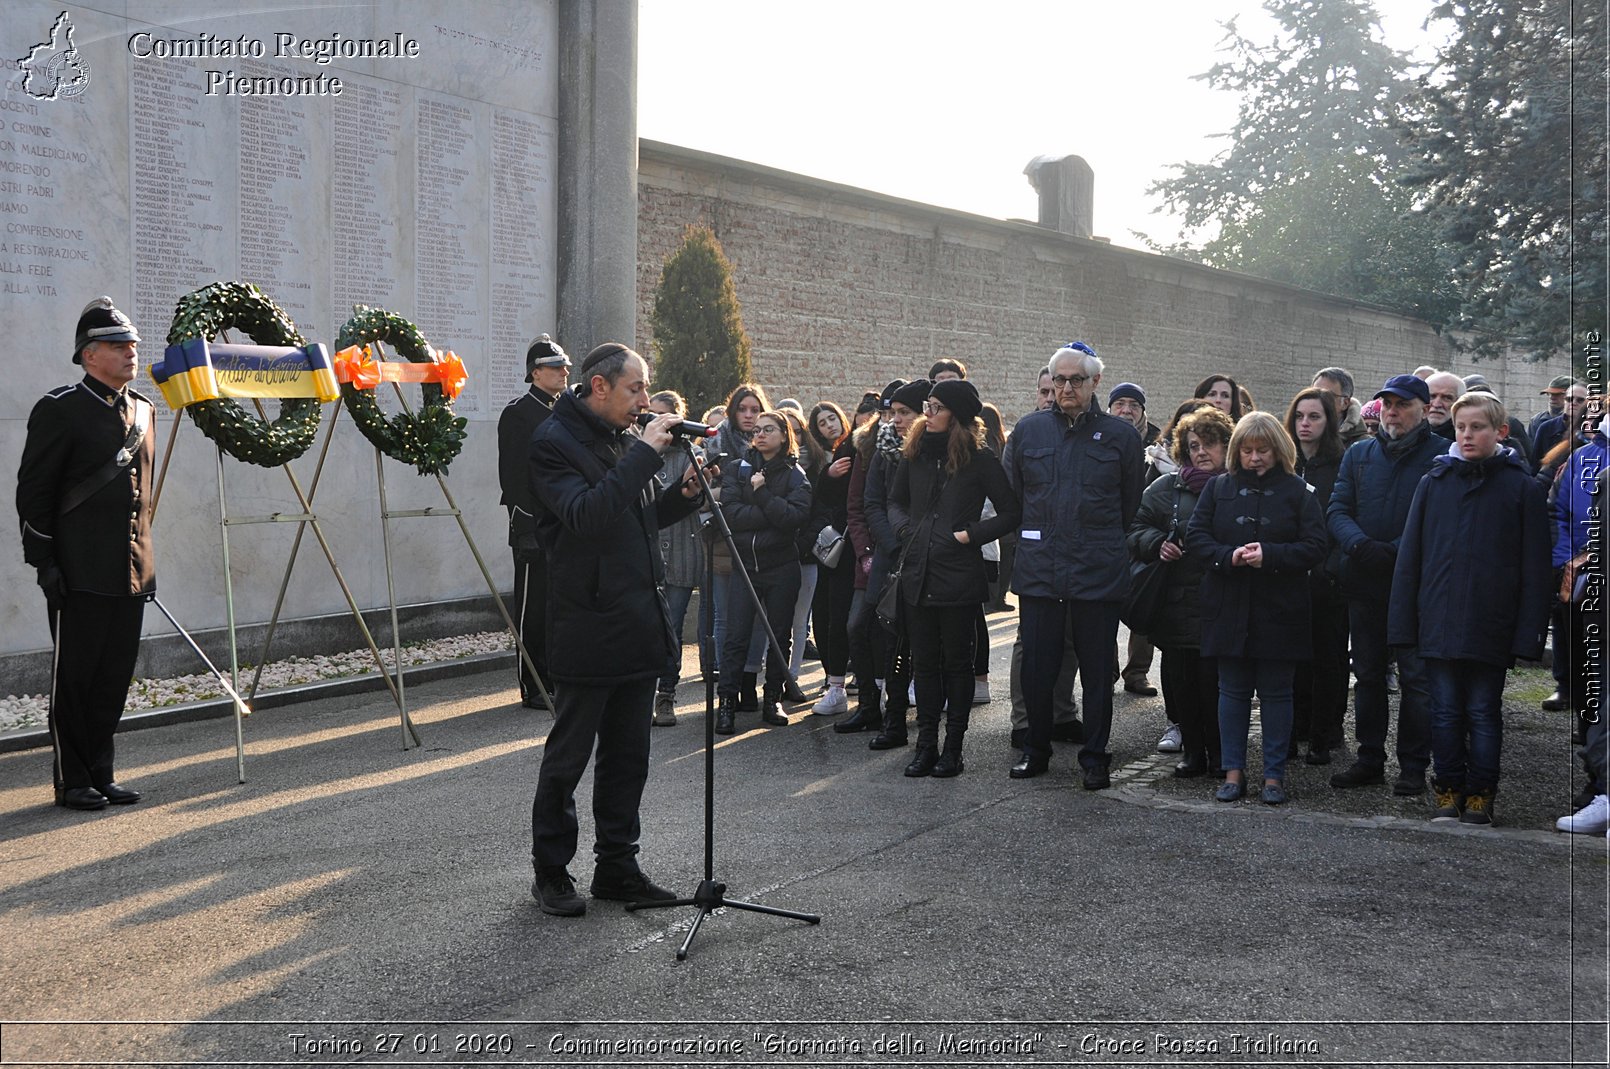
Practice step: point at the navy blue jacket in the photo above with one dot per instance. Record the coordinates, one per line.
(598, 520)
(1473, 581)
(1258, 612)
(1370, 503)
(1079, 483)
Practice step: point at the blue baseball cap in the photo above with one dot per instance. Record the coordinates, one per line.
(1407, 387)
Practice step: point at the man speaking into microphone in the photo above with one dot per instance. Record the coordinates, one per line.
(609, 636)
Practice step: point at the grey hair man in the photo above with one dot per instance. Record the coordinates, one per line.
(1338, 382)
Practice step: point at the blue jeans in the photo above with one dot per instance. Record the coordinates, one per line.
(1366, 620)
(1467, 723)
(677, 597)
(1272, 679)
(801, 621)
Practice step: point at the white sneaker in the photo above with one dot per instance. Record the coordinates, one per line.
(833, 702)
(980, 692)
(1591, 819)
(1171, 742)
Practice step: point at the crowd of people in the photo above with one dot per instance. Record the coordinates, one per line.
(1340, 541)
(1420, 540)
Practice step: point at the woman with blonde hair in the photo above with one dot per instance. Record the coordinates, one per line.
(1256, 531)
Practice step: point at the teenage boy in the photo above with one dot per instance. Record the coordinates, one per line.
(1471, 590)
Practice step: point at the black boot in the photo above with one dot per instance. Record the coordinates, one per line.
(950, 761)
(770, 712)
(893, 735)
(927, 753)
(726, 716)
(748, 700)
(868, 715)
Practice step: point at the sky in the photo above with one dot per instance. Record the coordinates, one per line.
(945, 102)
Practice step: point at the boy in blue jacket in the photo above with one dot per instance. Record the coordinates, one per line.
(1471, 589)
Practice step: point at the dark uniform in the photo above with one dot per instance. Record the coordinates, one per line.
(85, 507)
(520, 419)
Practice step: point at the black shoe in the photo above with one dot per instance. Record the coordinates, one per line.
(771, 713)
(1409, 784)
(1557, 702)
(792, 694)
(726, 719)
(533, 703)
(865, 718)
(1358, 774)
(1191, 765)
(748, 699)
(1028, 767)
(1072, 731)
(1143, 688)
(948, 765)
(1095, 778)
(811, 653)
(627, 887)
(923, 761)
(80, 798)
(1318, 755)
(890, 740)
(557, 892)
(118, 795)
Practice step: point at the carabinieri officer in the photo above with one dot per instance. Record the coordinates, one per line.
(84, 499)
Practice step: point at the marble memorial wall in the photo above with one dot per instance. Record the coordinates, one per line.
(390, 153)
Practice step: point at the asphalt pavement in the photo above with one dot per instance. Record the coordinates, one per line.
(356, 903)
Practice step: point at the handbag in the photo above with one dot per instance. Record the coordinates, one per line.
(829, 547)
(1574, 578)
(889, 600)
(1147, 582)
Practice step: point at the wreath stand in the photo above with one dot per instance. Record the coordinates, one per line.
(387, 514)
(302, 519)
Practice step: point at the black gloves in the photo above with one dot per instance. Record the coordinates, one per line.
(54, 584)
(1375, 554)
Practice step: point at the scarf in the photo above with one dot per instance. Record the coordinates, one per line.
(889, 443)
(1398, 448)
(1195, 478)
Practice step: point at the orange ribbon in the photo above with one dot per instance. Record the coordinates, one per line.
(355, 365)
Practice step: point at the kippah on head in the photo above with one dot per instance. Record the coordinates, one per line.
(101, 321)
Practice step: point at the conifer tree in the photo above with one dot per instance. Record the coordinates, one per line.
(700, 347)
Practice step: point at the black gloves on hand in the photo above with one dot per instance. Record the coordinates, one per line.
(54, 584)
(1375, 554)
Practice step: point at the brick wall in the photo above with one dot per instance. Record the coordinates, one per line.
(843, 289)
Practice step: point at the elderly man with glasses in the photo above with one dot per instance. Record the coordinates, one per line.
(1077, 470)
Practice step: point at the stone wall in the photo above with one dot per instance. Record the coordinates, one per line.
(843, 289)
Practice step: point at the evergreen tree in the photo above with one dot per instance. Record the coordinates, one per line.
(701, 349)
(1305, 194)
(1509, 130)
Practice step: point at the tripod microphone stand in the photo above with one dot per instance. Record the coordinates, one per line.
(712, 894)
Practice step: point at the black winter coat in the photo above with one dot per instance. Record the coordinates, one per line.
(1258, 612)
(1473, 580)
(518, 422)
(766, 522)
(1165, 511)
(598, 520)
(928, 507)
(1320, 475)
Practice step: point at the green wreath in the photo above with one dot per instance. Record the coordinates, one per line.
(428, 439)
(208, 312)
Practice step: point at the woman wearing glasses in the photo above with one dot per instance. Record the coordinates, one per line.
(766, 499)
(935, 504)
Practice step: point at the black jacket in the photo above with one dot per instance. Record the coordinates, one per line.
(766, 522)
(1165, 512)
(1320, 475)
(520, 419)
(104, 545)
(1258, 612)
(928, 507)
(598, 520)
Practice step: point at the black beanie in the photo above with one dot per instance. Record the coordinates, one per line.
(888, 392)
(960, 396)
(912, 394)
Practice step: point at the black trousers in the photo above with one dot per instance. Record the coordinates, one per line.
(97, 641)
(942, 638)
(617, 718)
(1191, 689)
(778, 589)
(530, 613)
(1094, 627)
(830, 614)
(1319, 694)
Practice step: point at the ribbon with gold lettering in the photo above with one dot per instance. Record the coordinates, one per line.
(196, 370)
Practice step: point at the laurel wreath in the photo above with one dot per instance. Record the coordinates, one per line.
(428, 439)
(207, 313)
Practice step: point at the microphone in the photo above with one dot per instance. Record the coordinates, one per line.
(686, 429)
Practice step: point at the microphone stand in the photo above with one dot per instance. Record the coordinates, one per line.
(712, 894)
